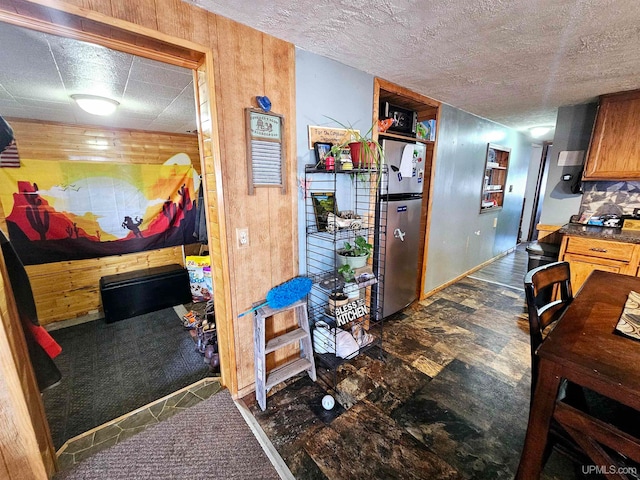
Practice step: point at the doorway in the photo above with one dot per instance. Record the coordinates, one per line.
(191, 56)
(108, 370)
(541, 184)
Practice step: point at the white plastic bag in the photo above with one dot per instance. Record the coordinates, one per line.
(340, 343)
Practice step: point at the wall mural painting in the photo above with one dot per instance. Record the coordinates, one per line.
(75, 210)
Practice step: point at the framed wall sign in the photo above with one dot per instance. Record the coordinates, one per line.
(334, 136)
(265, 150)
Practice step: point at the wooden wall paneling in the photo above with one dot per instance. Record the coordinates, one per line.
(216, 225)
(180, 19)
(76, 290)
(62, 142)
(140, 12)
(240, 81)
(279, 86)
(211, 132)
(26, 449)
(101, 6)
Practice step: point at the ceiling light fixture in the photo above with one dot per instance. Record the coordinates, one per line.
(537, 132)
(96, 105)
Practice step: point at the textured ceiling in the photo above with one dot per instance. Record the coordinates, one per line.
(512, 61)
(41, 72)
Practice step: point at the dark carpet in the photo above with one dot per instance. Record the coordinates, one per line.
(111, 369)
(211, 440)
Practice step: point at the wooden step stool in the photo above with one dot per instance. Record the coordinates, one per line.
(302, 334)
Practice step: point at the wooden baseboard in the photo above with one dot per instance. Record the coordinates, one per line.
(465, 274)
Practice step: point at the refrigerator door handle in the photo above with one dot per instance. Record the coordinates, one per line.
(397, 233)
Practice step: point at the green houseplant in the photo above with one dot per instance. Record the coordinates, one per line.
(366, 153)
(354, 255)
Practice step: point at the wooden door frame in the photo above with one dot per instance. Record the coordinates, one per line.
(536, 196)
(74, 22)
(378, 84)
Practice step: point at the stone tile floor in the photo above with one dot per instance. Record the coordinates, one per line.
(448, 397)
(81, 447)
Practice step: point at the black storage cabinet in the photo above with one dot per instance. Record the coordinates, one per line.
(134, 293)
(541, 253)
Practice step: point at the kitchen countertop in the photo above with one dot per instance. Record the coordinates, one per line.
(600, 233)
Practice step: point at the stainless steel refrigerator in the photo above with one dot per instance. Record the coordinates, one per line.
(401, 200)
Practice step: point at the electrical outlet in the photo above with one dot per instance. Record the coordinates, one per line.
(242, 234)
(495, 222)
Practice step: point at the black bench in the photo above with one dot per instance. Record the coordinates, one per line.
(134, 293)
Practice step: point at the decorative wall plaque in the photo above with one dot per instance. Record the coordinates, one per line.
(265, 150)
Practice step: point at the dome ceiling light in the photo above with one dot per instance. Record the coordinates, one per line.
(96, 105)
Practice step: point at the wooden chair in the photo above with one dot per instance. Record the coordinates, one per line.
(548, 292)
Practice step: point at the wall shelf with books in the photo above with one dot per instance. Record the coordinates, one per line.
(495, 178)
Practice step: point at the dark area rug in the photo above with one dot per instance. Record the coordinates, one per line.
(210, 440)
(111, 369)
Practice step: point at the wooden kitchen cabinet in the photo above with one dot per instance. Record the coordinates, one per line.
(588, 254)
(614, 152)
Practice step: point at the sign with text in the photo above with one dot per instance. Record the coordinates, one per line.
(334, 136)
(350, 312)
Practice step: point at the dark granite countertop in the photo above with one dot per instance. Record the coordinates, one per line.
(600, 233)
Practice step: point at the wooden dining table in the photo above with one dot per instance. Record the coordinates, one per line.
(584, 349)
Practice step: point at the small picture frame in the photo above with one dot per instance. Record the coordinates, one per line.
(324, 203)
(322, 151)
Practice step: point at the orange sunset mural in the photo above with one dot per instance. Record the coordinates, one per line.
(59, 211)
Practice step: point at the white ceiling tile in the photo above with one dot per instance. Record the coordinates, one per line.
(157, 74)
(149, 91)
(38, 84)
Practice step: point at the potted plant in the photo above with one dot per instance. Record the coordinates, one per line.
(355, 255)
(347, 273)
(365, 152)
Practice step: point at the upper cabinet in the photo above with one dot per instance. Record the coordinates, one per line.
(614, 153)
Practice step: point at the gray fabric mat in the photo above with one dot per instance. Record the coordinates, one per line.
(111, 369)
(208, 441)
